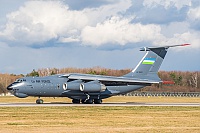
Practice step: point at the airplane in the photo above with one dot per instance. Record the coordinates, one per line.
(87, 88)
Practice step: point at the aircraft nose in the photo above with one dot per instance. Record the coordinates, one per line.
(10, 87)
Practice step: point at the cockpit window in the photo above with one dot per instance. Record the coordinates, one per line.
(20, 80)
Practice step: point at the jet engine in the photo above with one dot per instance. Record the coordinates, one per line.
(93, 86)
(73, 85)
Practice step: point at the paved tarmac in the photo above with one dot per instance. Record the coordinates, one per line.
(103, 104)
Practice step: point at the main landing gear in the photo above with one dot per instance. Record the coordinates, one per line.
(87, 101)
(75, 100)
(97, 101)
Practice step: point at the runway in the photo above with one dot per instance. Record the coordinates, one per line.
(127, 104)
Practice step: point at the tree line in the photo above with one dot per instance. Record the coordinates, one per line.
(182, 81)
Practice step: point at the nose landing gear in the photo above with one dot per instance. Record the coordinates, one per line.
(39, 101)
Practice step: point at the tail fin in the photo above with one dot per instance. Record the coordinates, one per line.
(149, 65)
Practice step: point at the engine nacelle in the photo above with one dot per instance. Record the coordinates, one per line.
(93, 86)
(73, 85)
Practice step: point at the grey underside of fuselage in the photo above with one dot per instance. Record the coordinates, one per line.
(110, 91)
(59, 92)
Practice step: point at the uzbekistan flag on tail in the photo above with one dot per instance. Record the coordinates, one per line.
(149, 61)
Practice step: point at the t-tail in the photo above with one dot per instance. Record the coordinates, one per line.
(148, 67)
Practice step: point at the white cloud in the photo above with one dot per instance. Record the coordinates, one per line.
(186, 37)
(40, 21)
(167, 3)
(101, 13)
(174, 28)
(68, 39)
(120, 31)
(92, 26)
(194, 18)
(194, 13)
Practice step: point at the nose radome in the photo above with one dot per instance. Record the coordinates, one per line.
(10, 87)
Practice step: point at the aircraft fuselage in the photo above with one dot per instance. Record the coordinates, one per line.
(54, 86)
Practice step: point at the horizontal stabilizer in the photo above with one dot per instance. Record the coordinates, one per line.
(166, 47)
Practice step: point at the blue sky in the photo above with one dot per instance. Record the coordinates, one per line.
(107, 33)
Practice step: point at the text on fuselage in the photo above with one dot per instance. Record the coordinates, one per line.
(41, 81)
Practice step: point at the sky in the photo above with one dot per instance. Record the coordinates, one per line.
(88, 33)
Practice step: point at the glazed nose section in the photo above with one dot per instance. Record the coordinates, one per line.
(10, 87)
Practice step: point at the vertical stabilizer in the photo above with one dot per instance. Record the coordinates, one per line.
(148, 67)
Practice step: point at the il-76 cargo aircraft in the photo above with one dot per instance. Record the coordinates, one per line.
(86, 88)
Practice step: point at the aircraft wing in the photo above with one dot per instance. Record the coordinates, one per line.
(108, 79)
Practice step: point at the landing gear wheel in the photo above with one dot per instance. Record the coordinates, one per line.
(75, 100)
(85, 101)
(97, 101)
(39, 101)
(89, 101)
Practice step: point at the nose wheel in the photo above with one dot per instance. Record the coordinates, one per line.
(39, 101)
